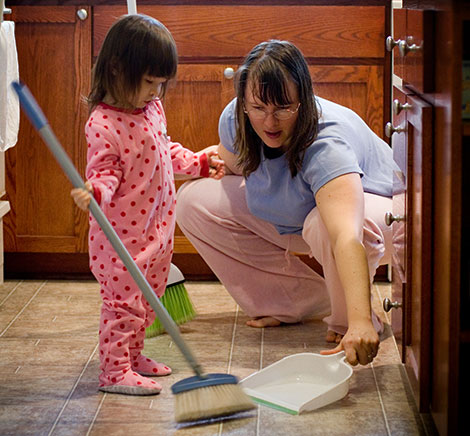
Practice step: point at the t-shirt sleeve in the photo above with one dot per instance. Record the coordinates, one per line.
(327, 159)
(227, 127)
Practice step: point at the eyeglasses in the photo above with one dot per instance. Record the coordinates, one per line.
(280, 114)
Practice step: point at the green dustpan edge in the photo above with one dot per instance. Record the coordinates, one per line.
(274, 406)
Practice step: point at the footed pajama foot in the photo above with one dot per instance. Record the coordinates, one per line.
(131, 384)
(148, 367)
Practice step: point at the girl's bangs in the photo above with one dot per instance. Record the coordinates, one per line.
(164, 65)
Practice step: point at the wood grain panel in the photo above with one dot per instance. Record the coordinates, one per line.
(227, 31)
(54, 49)
(359, 88)
(418, 65)
(419, 222)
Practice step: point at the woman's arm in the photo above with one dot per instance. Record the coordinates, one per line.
(230, 160)
(341, 206)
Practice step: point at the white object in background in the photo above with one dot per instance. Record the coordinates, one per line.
(300, 382)
(175, 276)
(131, 7)
(9, 105)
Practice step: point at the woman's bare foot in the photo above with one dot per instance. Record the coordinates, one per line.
(332, 336)
(263, 321)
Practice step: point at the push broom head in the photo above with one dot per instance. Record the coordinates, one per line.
(210, 396)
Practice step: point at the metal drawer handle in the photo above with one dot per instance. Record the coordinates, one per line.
(82, 14)
(398, 107)
(390, 129)
(404, 48)
(229, 73)
(391, 43)
(388, 305)
(390, 218)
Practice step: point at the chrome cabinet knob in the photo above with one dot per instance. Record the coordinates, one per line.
(391, 43)
(390, 218)
(390, 129)
(82, 14)
(404, 48)
(398, 107)
(229, 73)
(388, 304)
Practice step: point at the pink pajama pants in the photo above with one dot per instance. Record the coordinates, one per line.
(257, 265)
(125, 313)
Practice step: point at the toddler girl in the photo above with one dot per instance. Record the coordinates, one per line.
(130, 167)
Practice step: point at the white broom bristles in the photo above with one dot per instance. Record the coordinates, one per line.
(211, 402)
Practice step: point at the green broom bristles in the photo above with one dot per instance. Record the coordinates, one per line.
(178, 304)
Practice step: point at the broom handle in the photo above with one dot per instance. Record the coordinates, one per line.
(40, 123)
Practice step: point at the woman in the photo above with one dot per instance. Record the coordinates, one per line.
(316, 180)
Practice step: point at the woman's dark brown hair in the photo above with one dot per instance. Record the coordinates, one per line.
(268, 68)
(134, 46)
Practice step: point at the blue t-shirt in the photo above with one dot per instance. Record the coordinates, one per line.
(345, 144)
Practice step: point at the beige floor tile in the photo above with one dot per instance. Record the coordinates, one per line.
(49, 369)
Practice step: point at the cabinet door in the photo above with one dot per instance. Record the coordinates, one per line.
(358, 87)
(398, 218)
(419, 226)
(192, 108)
(54, 54)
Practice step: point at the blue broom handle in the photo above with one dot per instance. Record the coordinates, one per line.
(39, 121)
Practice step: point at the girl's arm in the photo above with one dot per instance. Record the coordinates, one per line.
(341, 206)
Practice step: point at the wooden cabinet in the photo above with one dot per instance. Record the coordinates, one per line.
(431, 261)
(343, 46)
(411, 225)
(54, 55)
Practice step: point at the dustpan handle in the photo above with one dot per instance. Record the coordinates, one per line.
(39, 121)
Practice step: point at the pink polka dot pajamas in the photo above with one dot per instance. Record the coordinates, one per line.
(130, 164)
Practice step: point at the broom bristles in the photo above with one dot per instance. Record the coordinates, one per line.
(211, 402)
(179, 306)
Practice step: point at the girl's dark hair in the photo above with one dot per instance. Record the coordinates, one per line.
(268, 68)
(135, 45)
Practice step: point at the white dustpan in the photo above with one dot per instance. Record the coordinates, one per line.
(300, 382)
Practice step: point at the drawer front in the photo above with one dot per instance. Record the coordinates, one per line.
(230, 32)
(417, 51)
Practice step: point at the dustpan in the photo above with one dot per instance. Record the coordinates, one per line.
(300, 382)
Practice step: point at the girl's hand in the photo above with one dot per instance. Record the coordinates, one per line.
(217, 165)
(82, 197)
(360, 343)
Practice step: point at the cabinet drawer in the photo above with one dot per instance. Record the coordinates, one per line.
(230, 32)
(417, 51)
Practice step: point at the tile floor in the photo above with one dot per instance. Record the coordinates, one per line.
(49, 370)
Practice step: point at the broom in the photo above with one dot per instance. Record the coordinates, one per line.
(176, 301)
(201, 397)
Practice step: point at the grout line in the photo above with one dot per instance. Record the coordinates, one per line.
(389, 321)
(233, 339)
(72, 391)
(11, 292)
(96, 414)
(221, 425)
(381, 401)
(22, 310)
(258, 420)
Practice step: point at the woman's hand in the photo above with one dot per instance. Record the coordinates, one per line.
(217, 165)
(360, 343)
(82, 197)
